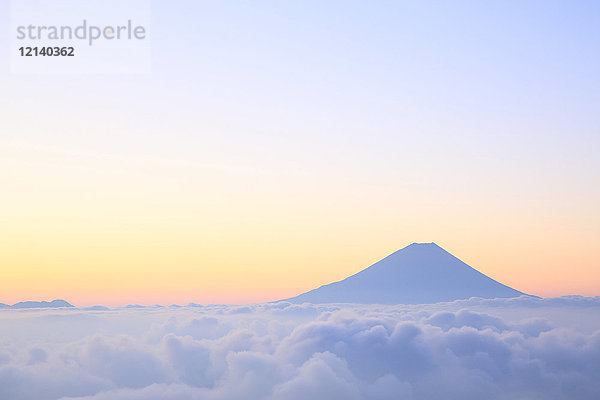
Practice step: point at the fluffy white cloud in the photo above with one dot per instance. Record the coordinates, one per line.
(494, 349)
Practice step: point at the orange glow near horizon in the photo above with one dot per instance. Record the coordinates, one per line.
(264, 262)
(143, 235)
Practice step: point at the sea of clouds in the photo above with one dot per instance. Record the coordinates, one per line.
(522, 348)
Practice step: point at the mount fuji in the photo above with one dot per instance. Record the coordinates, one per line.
(417, 274)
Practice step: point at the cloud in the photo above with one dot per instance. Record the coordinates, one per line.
(323, 376)
(123, 361)
(502, 349)
(37, 355)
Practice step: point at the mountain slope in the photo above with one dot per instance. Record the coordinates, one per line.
(419, 273)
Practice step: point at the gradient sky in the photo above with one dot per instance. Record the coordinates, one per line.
(278, 146)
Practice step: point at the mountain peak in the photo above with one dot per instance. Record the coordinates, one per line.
(422, 246)
(418, 273)
(432, 246)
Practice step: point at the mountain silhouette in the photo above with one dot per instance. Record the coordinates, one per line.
(41, 304)
(417, 274)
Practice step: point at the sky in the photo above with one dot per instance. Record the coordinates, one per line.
(273, 147)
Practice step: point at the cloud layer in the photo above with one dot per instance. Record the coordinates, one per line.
(493, 349)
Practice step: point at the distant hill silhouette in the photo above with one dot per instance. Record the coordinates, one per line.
(96, 308)
(417, 274)
(38, 304)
